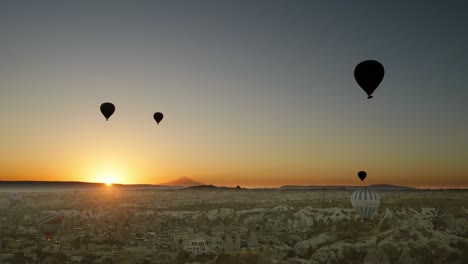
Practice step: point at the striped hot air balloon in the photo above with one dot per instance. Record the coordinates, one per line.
(366, 202)
(49, 223)
(15, 198)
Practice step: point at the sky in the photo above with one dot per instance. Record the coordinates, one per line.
(254, 93)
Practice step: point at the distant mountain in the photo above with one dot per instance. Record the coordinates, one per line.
(183, 181)
(344, 187)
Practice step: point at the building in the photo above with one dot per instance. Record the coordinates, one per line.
(195, 245)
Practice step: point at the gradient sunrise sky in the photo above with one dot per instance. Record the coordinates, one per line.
(255, 93)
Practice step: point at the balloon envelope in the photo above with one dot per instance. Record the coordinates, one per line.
(369, 74)
(158, 117)
(49, 223)
(15, 198)
(362, 175)
(107, 109)
(366, 202)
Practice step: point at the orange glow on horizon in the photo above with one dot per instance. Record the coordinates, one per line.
(110, 176)
(135, 169)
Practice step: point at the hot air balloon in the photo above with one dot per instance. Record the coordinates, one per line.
(366, 202)
(369, 74)
(49, 223)
(362, 175)
(107, 109)
(158, 117)
(15, 198)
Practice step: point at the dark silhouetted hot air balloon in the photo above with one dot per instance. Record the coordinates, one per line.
(49, 223)
(366, 202)
(15, 198)
(158, 117)
(107, 109)
(369, 74)
(362, 175)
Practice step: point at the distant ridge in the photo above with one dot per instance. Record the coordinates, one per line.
(57, 186)
(301, 187)
(202, 187)
(344, 187)
(212, 187)
(183, 182)
(60, 186)
(389, 186)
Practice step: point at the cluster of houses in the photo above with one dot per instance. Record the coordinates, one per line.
(106, 236)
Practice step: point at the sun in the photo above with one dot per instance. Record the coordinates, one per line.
(108, 177)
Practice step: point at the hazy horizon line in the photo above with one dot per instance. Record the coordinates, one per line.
(245, 186)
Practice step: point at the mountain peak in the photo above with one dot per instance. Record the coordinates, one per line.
(184, 178)
(183, 181)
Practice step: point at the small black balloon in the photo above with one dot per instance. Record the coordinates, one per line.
(158, 117)
(369, 74)
(362, 175)
(107, 109)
